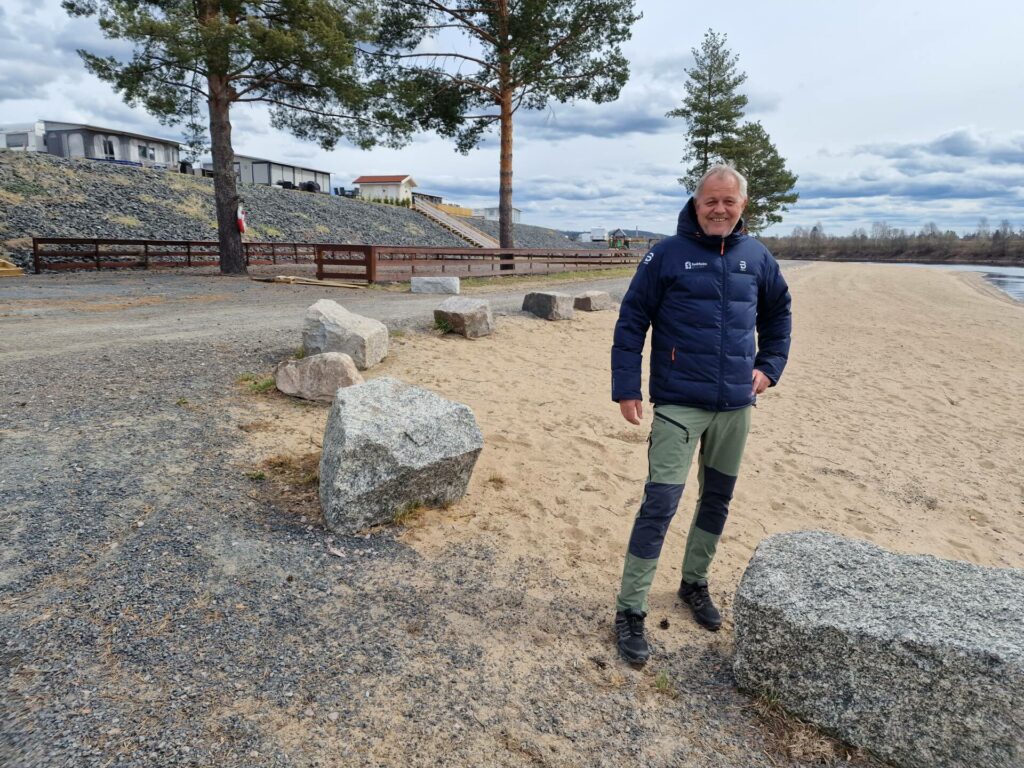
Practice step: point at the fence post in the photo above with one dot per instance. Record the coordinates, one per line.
(188, 254)
(145, 255)
(96, 253)
(295, 252)
(318, 257)
(35, 254)
(371, 264)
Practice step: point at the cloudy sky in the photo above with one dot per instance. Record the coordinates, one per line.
(905, 112)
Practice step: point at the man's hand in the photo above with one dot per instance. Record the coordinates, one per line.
(760, 383)
(631, 410)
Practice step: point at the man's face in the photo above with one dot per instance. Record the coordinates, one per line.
(720, 205)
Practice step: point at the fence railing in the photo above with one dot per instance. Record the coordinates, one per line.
(390, 263)
(58, 253)
(365, 263)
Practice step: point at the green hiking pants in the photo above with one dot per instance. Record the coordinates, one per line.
(675, 435)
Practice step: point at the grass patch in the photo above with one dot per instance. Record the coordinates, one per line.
(295, 470)
(663, 685)
(497, 481)
(792, 739)
(299, 353)
(407, 514)
(125, 221)
(256, 475)
(255, 383)
(397, 333)
(181, 401)
(261, 386)
(24, 188)
(559, 277)
(442, 325)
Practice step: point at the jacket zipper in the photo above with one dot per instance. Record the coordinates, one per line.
(724, 326)
(673, 421)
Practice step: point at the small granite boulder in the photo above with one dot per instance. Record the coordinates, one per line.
(390, 446)
(549, 305)
(919, 660)
(469, 317)
(329, 327)
(318, 377)
(593, 301)
(434, 285)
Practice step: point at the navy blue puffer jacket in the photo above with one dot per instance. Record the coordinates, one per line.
(705, 297)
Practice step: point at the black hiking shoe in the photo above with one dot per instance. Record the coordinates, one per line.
(632, 642)
(704, 611)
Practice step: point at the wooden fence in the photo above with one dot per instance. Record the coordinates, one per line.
(364, 263)
(59, 253)
(389, 263)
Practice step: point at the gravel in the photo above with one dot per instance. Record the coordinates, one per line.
(42, 195)
(156, 609)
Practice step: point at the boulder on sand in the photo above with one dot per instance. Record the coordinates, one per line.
(919, 660)
(389, 447)
(329, 327)
(318, 377)
(592, 301)
(549, 305)
(469, 317)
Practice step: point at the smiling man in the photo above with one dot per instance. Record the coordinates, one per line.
(719, 310)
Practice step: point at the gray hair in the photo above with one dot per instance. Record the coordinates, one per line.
(722, 170)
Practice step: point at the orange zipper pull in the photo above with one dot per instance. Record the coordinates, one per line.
(723, 246)
(673, 354)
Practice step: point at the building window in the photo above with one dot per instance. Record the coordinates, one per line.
(108, 149)
(17, 140)
(152, 153)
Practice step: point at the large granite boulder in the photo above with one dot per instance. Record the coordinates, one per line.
(318, 377)
(434, 285)
(919, 660)
(390, 446)
(470, 317)
(549, 305)
(329, 327)
(593, 301)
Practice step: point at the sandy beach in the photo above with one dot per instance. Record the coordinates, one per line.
(899, 420)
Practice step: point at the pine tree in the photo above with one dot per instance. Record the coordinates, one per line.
(522, 54)
(769, 183)
(299, 57)
(712, 108)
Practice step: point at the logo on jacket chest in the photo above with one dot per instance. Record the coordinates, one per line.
(743, 266)
(695, 264)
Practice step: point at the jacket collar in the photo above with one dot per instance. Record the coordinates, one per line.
(688, 226)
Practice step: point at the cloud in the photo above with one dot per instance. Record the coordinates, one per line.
(963, 143)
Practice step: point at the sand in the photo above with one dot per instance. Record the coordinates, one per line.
(900, 420)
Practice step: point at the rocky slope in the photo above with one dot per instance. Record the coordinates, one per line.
(46, 196)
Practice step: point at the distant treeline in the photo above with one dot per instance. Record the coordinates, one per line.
(1002, 246)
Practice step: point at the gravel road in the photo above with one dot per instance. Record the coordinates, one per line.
(155, 611)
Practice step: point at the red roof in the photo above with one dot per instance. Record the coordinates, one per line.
(381, 179)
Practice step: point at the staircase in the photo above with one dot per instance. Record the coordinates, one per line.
(7, 269)
(455, 224)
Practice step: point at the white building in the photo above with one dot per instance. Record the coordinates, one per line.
(256, 170)
(398, 187)
(77, 140)
(492, 214)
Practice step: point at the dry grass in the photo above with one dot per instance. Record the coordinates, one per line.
(124, 220)
(788, 739)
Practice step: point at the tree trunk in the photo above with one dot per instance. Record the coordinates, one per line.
(506, 237)
(225, 188)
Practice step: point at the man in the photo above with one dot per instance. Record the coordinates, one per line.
(704, 293)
